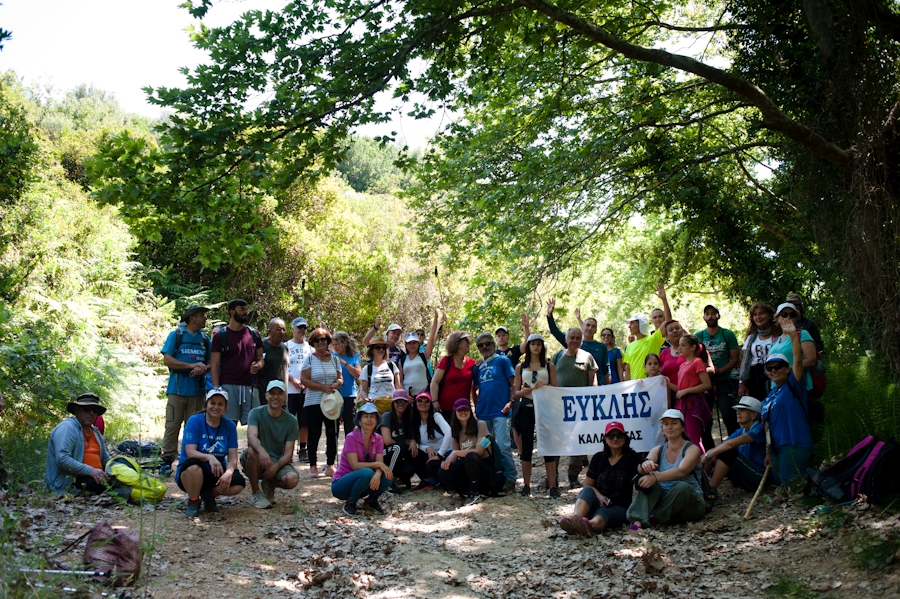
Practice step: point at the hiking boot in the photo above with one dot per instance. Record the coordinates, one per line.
(349, 508)
(373, 504)
(165, 470)
(193, 508)
(268, 491)
(566, 524)
(472, 499)
(509, 486)
(259, 501)
(581, 526)
(302, 454)
(209, 502)
(526, 491)
(554, 493)
(573, 483)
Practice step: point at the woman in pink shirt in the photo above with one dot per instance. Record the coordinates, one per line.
(362, 471)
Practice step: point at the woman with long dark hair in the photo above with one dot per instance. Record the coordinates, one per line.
(396, 430)
(469, 468)
(606, 495)
(534, 372)
(431, 438)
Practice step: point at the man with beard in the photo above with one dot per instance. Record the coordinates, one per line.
(237, 356)
(725, 354)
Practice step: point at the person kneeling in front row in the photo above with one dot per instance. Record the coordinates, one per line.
(271, 434)
(76, 453)
(742, 456)
(607, 491)
(207, 467)
(362, 471)
(669, 482)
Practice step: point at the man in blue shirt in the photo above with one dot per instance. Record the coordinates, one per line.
(741, 457)
(493, 381)
(186, 355)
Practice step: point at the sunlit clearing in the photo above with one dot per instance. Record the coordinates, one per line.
(468, 543)
(420, 527)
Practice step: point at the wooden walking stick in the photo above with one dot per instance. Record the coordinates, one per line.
(762, 483)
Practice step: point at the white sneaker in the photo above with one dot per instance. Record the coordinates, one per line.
(268, 491)
(259, 501)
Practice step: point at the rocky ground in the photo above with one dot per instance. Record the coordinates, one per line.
(427, 545)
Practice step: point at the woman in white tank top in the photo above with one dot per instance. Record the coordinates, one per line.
(534, 372)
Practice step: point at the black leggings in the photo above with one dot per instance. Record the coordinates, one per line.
(315, 422)
(470, 475)
(424, 469)
(525, 426)
(399, 459)
(348, 415)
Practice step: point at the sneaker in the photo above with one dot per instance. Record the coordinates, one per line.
(373, 504)
(566, 524)
(165, 470)
(715, 495)
(423, 486)
(574, 484)
(582, 526)
(209, 502)
(509, 486)
(471, 499)
(635, 527)
(349, 508)
(193, 508)
(526, 491)
(395, 489)
(303, 454)
(329, 471)
(268, 491)
(259, 501)
(313, 472)
(554, 493)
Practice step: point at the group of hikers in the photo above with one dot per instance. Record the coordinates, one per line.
(454, 422)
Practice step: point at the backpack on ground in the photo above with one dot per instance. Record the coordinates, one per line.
(131, 482)
(871, 468)
(139, 449)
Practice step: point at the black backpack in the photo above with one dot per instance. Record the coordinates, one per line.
(871, 468)
(257, 340)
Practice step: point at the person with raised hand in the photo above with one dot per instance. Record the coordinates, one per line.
(644, 343)
(207, 467)
(362, 473)
(761, 333)
(606, 495)
(669, 479)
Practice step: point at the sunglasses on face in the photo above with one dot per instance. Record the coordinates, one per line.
(314, 341)
(615, 436)
(485, 344)
(381, 347)
(92, 409)
(401, 402)
(423, 401)
(788, 315)
(774, 367)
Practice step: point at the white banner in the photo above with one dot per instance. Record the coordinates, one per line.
(571, 420)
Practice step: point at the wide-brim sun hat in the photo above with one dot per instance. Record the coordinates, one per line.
(377, 340)
(366, 408)
(749, 403)
(85, 400)
(332, 405)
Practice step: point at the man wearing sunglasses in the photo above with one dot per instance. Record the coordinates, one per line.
(76, 453)
(493, 381)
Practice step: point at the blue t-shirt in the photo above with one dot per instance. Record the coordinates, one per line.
(784, 347)
(208, 439)
(492, 379)
(615, 354)
(601, 356)
(348, 389)
(755, 452)
(192, 350)
(785, 410)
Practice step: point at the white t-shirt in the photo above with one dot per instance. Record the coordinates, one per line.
(415, 374)
(298, 352)
(382, 380)
(442, 439)
(759, 351)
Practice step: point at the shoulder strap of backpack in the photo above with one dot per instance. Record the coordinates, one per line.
(179, 338)
(223, 332)
(427, 367)
(369, 374)
(556, 357)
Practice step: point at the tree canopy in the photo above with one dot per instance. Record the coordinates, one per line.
(757, 137)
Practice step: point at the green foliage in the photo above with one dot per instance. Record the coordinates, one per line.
(873, 553)
(370, 166)
(18, 142)
(789, 589)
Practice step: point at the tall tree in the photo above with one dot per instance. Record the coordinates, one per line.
(770, 142)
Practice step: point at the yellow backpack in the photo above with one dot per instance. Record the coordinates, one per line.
(128, 473)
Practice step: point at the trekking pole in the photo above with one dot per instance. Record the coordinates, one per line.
(762, 483)
(303, 296)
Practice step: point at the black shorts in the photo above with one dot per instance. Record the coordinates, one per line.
(209, 479)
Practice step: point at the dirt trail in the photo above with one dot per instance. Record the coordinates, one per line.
(429, 546)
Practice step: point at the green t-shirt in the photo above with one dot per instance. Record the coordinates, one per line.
(573, 371)
(274, 432)
(636, 352)
(719, 347)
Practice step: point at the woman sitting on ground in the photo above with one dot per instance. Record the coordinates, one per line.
(469, 469)
(396, 431)
(606, 495)
(534, 372)
(431, 438)
(362, 471)
(784, 411)
(742, 456)
(207, 466)
(761, 333)
(669, 484)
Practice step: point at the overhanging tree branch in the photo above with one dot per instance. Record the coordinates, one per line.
(773, 117)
